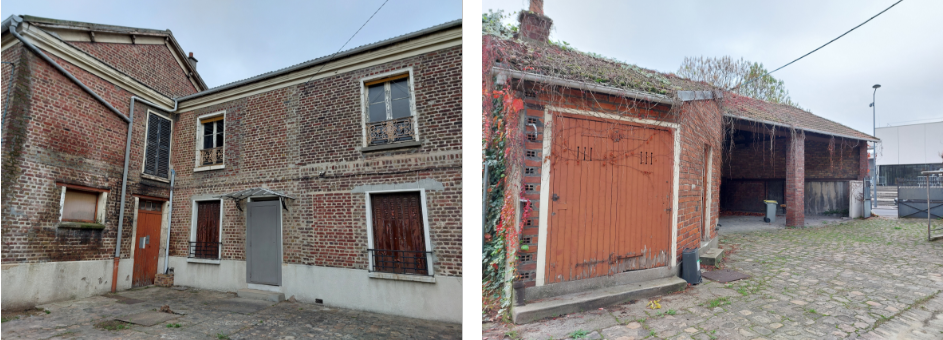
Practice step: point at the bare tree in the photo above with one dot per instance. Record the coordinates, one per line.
(737, 75)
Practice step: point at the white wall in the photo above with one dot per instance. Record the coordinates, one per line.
(345, 288)
(910, 144)
(29, 284)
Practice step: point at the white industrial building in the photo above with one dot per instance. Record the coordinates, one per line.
(906, 150)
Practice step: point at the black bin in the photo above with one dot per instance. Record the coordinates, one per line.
(691, 266)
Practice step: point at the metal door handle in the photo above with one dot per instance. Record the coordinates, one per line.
(555, 197)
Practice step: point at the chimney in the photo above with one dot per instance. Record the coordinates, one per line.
(535, 26)
(192, 61)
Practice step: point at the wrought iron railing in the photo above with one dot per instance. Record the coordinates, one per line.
(400, 261)
(212, 156)
(390, 131)
(205, 250)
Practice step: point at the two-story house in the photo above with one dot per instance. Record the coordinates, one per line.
(336, 181)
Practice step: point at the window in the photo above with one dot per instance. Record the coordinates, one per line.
(204, 238)
(398, 234)
(157, 153)
(79, 206)
(210, 141)
(389, 110)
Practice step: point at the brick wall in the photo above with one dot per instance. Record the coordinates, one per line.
(59, 133)
(754, 160)
(286, 138)
(153, 65)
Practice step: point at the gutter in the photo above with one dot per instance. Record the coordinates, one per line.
(170, 213)
(649, 97)
(804, 129)
(11, 24)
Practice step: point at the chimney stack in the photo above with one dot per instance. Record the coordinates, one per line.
(192, 60)
(535, 26)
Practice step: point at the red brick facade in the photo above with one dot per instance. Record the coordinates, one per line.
(58, 133)
(153, 65)
(305, 140)
(795, 180)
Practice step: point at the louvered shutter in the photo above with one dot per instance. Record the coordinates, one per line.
(399, 242)
(157, 154)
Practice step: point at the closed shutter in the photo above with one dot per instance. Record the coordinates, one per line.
(207, 230)
(398, 238)
(157, 155)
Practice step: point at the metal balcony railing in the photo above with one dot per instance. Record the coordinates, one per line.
(205, 250)
(400, 261)
(390, 131)
(212, 156)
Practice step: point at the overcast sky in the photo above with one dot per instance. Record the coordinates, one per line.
(234, 40)
(902, 49)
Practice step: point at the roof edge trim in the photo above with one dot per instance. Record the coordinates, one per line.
(801, 128)
(584, 86)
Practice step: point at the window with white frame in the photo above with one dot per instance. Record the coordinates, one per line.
(157, 150)
(210, 144)
(389, 106)
(82, 204)
(205, 230)
(399, 234)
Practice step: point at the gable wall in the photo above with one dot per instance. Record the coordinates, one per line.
(153, 65)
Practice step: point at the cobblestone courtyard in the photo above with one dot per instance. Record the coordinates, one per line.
(864, 279)
(214, 315)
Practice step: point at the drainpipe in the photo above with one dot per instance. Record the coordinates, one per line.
(128, 119)
(124, 187)
(170, 212)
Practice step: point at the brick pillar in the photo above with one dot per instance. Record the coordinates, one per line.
(795, 180)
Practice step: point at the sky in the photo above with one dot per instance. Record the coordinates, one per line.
(234, 40)
(901, 49)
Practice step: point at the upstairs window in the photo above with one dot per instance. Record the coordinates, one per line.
(157, 153)
(389, 108)
(212, 135)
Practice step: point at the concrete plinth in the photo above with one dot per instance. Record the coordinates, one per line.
(261, 295)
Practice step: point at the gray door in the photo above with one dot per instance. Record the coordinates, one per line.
(264, 243)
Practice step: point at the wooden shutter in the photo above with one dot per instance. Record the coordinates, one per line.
(398, 236)
(207, 230)
(157, 161)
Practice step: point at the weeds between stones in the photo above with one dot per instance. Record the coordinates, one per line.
(113, 325)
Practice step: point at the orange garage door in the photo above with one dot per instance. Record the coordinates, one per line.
(610, 185)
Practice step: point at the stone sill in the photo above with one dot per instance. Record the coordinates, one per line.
(402, 277)
(208, 168)
(204, 261)
(393, 146)
(155, 178)
(81, 225)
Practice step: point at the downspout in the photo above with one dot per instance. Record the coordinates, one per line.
(170, 213)
(128, 119)
(124, 188)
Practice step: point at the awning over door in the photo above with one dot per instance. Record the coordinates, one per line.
(254, 192)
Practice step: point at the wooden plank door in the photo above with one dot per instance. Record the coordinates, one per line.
(147, 246)
(610, 185)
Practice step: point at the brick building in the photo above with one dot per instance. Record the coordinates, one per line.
(627, 167)
(335, 181)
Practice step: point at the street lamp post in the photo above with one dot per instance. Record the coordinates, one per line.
(874, 176)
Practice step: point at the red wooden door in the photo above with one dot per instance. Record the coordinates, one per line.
(147, 245)
(610, 185)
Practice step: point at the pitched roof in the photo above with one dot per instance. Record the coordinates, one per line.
(570, 64)
(93, 27)
(328, 58)
(784, 115)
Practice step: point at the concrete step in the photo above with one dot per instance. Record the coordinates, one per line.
(261, 295)
(593, 299)
(712, 257)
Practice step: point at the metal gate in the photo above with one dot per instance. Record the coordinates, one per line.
(610, 189)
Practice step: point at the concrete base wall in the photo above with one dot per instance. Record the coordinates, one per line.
(29, 284)
(338, 287)
(570, 287)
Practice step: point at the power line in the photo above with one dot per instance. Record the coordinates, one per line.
(820, 47)
(348, 41)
